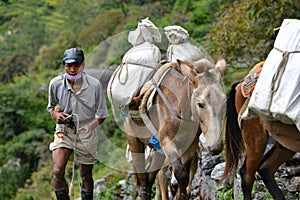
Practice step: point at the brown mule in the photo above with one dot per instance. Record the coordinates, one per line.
(253, 138)
(196, 95)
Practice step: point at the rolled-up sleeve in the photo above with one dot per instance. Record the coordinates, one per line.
(102, 111)
(52, 98)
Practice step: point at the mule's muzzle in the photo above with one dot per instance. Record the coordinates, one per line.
(212, 149)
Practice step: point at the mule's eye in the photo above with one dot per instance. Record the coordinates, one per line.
(200, 105)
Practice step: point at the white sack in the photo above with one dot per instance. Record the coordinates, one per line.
(138, 65)
(145, 32)
(180, 47)
(277, 92)
(145, 54)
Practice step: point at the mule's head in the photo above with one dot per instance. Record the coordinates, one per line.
(208, 99)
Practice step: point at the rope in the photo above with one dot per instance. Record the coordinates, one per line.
(281, 68)
(126, 68)
(71, 188)
(276, 29)
(170, 52)
(120, 71)
(276, 80)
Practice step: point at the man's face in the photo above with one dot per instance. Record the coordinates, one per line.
(72, 68)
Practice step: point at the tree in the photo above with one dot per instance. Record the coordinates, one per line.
(15, 64)
(244, 30)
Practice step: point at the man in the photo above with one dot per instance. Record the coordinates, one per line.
(77, 104)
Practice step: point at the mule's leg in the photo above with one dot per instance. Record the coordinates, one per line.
(270, 163)
(138, 160)
(162, 183)
(179, 170)
(155, 166)
(256, 141)
(159, 184)
(184, 170)
(182, 176)
(193, 169)
(247, 179)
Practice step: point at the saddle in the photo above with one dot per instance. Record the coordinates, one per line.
(249, 82)
(146, 93)
(247, 87)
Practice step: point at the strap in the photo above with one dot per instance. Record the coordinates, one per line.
(166, 101)
(82, 102)
(153, 138)
(276, 80)
(149, 124)
(281, 67)
(125, 65)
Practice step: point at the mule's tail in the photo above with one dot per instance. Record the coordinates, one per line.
(233, 136)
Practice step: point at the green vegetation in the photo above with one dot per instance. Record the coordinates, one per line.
(226, 193)
(34, 34)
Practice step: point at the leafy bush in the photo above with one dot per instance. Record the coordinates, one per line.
(21, 109)
(19, 158)
(10, 179)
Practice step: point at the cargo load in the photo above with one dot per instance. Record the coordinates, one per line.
(277, 93)
(138, 65)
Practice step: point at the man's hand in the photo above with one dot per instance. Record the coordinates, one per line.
(91, 126)
(60, 117)
(86, 128)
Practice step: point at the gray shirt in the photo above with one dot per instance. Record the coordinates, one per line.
(91, 93)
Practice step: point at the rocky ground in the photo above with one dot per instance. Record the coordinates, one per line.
(206, 185)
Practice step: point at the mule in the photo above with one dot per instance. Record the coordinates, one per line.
(197, 98)
(252, 138)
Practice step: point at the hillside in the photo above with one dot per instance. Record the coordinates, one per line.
(34, 35)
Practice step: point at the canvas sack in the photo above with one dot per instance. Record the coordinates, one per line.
(180, 47)
(277, 93)
(138, 65)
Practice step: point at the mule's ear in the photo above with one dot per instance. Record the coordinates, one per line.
(221, 64)
(187, 71)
